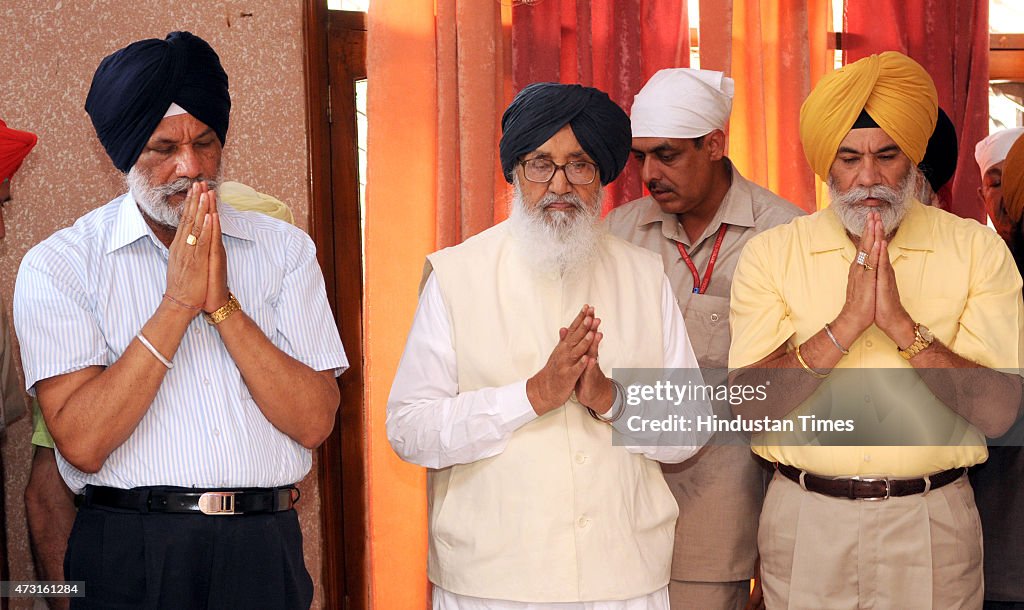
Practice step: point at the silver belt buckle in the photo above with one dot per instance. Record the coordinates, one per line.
(217, 503)
(888, 487)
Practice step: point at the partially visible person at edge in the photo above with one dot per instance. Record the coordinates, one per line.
(990, 153)
(939, 163)
(699, 215)
(923, 304)
(15, 145)
(184, 433)
(502, 390)
(997, 482)
(49, 503)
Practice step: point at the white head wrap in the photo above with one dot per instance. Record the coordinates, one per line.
(682, 103)
(993, 149)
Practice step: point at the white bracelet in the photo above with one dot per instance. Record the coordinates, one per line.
(144, 341)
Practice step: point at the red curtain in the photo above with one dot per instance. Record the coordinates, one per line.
(950, 39)
(614, 45)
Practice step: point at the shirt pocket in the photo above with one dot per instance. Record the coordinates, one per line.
(707, 325)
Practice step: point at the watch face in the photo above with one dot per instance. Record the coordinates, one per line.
(925, 333)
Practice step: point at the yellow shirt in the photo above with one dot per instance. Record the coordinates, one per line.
(954, 276)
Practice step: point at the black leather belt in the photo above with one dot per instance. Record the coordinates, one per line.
(868, 488)
(208, 502)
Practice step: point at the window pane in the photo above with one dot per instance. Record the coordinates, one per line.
(349, 5)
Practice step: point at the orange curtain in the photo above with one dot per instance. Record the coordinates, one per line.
(779, 50)
(437, 77)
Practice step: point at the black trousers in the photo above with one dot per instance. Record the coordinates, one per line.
(187, 561)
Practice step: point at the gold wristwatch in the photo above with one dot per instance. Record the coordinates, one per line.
(922, 339)
(225, 310)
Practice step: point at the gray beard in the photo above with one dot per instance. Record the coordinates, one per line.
(153, 200)
(847, 205)
(566, 241)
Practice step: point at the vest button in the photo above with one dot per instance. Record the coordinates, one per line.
(714, 317)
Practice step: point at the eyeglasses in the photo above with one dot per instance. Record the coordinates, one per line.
(543, 170)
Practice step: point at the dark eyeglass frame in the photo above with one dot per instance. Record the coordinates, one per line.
(557, 167)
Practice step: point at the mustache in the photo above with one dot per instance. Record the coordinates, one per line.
(856, 194)
(655, 185)
(180, 186)
(551, 199)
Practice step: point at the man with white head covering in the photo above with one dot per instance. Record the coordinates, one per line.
(876, 287)
(990, 153)
(184, 434)
(700, 214)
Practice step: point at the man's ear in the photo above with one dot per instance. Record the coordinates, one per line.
(714, 141)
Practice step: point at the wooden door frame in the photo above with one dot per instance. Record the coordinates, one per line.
(341, 464)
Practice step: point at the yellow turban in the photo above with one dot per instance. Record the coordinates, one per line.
(248, 199)
(894, 89)
(1013, 181)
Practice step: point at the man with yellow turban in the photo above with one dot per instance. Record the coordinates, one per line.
(876, 287)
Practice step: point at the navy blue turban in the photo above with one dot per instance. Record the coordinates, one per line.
(133, 88)
(540, 110)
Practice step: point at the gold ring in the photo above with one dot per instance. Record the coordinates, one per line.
(862, 256)
(191, 240)
(868, 267)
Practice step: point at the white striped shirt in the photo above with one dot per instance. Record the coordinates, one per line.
(83, 294)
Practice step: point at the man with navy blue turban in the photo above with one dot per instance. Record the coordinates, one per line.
(183, 435)
(503, 392)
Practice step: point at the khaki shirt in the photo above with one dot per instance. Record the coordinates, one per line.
(748, 209)
(721, 489)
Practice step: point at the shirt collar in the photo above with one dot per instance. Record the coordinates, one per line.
(737, 208)
(234, 223)
(914, 232)
(129, 226)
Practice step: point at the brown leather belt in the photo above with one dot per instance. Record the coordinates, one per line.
(867, 488)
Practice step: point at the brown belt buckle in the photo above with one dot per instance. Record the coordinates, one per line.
(217, 503)
(888, 489)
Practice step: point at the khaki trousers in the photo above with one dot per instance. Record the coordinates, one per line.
(822, 553)
(689, 595)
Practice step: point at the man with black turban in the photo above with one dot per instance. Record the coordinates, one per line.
(926, 310)
(502, 391)
(183, 434)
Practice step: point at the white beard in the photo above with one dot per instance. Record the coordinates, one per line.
(153, 200)
(847, 205)
(566, 241)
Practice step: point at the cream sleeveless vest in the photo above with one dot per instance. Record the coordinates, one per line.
(561, 515)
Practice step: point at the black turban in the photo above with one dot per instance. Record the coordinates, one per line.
(939, 163)
(540, 110)
(133, 88)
